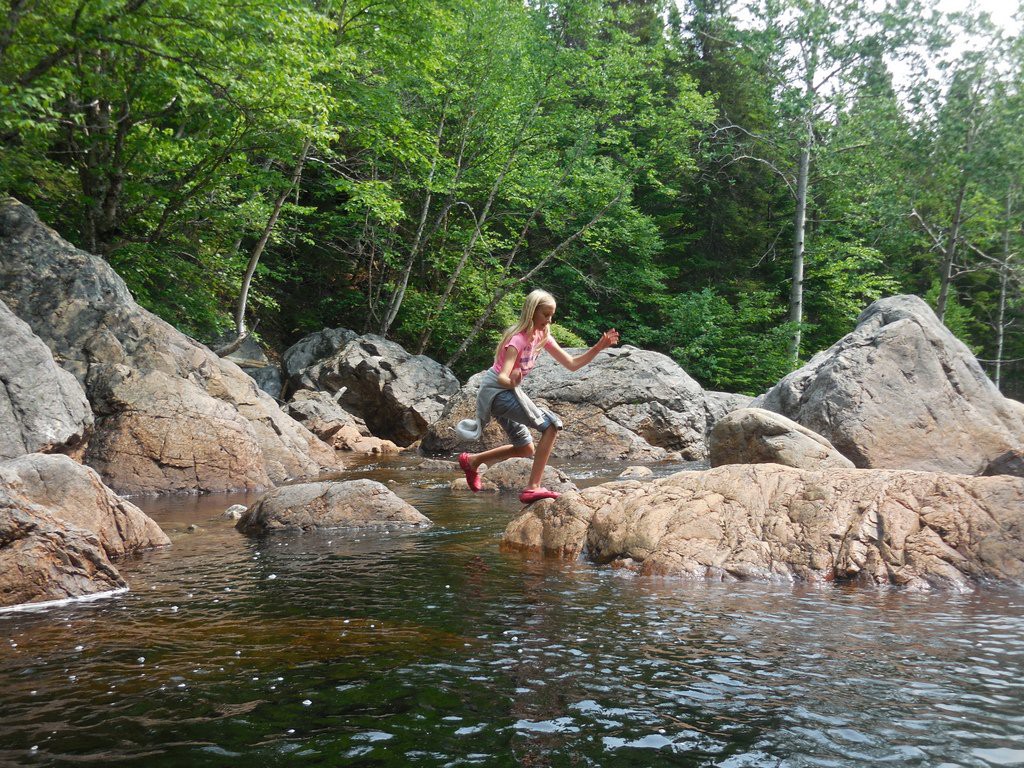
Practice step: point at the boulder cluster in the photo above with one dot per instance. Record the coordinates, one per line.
(889, 458)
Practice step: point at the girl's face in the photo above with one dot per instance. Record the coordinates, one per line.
(542, 317)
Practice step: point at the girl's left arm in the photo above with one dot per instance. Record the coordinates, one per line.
(608, 338)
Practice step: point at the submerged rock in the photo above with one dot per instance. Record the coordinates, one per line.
(757, 436)
(901, 392)
(913, 529)
(627, 403)
(170, 415)
(60, 529)
(333, 504)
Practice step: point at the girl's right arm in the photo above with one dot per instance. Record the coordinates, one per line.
(510, 376)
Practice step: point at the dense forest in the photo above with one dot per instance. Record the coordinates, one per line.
(727, 183)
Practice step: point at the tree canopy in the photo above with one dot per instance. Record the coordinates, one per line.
(729, 183)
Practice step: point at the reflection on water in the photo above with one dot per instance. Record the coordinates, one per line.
(432, 648)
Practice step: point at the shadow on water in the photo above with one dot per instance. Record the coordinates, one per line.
(434, 648)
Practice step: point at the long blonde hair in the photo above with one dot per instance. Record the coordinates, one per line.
(536, 298)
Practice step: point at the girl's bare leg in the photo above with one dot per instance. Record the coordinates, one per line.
(540, 458)
(494, 455)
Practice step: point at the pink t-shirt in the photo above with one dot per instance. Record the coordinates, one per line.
(528, 354)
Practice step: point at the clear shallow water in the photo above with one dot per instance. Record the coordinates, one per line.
(435, 649)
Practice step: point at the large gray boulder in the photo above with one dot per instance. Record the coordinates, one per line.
(144, 378)
(396, 393)
(901, 391)
(335, 504)
(61, 529)
(310, 350)
(757, 436)
(628, 403)
(43, 408)
(919, 530)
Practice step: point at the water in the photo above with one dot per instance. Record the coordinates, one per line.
(435, 649)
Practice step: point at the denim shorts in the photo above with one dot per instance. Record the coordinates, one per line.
(509, 413)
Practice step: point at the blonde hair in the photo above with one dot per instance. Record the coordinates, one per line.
(536, 298)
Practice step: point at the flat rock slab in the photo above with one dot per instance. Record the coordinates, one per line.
(61, 528)
(919, 530)
(331, 504)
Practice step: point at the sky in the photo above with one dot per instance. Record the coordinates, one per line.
(1002, 10)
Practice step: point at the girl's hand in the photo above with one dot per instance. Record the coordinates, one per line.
(608, 339)
(516, 376)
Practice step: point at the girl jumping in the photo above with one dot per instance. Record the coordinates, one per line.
(501, 397)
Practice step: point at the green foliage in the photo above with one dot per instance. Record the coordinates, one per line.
(634, 158)
(735, 348)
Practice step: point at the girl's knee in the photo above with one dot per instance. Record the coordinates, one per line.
(526, 451)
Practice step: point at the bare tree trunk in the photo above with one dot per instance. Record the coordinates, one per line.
(949, 254)
(399, 295)
(796, 293)
(1004, 282)
(257, 251)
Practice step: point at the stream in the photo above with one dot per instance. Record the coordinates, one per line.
(433, 648)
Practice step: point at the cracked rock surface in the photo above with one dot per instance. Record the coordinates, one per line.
(918, 530)
(43, 408)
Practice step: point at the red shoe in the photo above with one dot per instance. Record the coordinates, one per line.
(472, 476)
(531, 495)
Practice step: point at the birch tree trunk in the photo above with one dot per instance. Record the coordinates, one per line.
(399, 295)
(796, 294)
(949, 254)
(257, 251)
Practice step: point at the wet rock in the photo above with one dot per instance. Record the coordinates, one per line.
(901, 391)
(135, 366)
(335, 504)
(234, 512)
(61, 528)
(438, 465)
(757, 436)
(43, 408)
(918, 530)
(396, 393)
(636, 473)
(627, 403)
